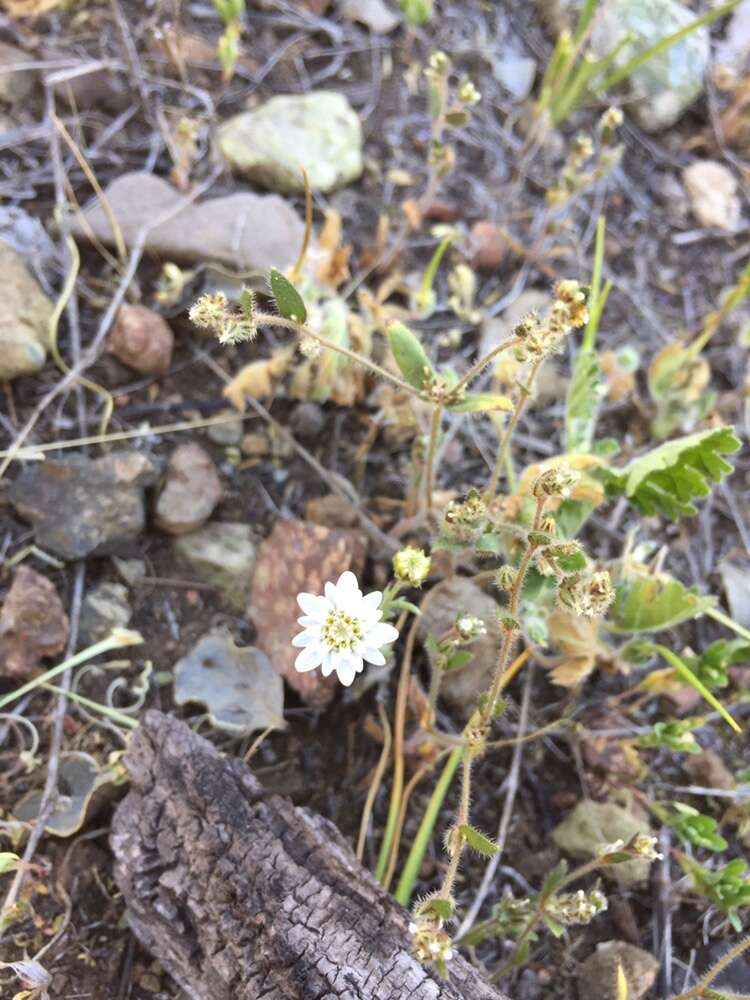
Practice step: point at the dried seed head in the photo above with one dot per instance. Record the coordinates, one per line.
(587, 595)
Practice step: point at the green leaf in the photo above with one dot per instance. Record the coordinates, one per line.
(8, 861)
(482, 402)
(458, 659)
(654, 603)
(555, 879)
(582, 408)
(409, 355)
(571, 517)
(442, 908)
(667, 479)
(574, 563)
(288, 300)
(478, 842)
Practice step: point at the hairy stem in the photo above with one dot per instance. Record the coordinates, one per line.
(480, 365)
(437, 414)
(504, 447)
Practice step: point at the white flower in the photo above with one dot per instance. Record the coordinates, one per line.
(341, 630)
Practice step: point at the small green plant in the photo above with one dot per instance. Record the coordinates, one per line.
(727, 888)
(676, 736)
(690, 825)
(417, 11)
(231, 13)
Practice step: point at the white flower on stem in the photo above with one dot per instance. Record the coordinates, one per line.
(341, 630)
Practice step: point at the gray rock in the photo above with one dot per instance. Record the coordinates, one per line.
(665, 86)
(374, 14)
(104, 608)
(228, 433)
(24, 316)
(222, 554)
(734, 49)
(15, 84)
(515, 73)
(591, 825)
(597, 975)
(191, 491)
(318, 131)
(244, 231)
(82, 507)
(130, 571)
(461, 688)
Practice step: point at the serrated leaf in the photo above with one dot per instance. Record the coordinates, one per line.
(288, 300)
(482, 402)
(478, 842)
(582, 407)
(667, 479)
(654, 603)
(409, 355)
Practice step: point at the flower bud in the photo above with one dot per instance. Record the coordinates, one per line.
(556, 481)
(505, 578)
(587, 595)
(412, 566)
(470, 627)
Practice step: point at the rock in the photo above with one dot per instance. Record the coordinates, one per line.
(33, 624)
(245, 231)
(222, 554)
(496, 329)
(318, 131)
(191, 491)
(733, 51)
(709, 770)
(712, 190)
(461, 688)
(28, 237)
(591, 825)
(489, 245)
(597, 975)
(82, 507)
(298, 557)
(332, 511)
(666, 85)
(227, 433)
(142, 340)
(15, 85)
(130, 571)
(104, 608)
(307, 420)
(374, 14)
(255, 445)
(516, 73)
(25, 312)
(239, 687)
(735, 579)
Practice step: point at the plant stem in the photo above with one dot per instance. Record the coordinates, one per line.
(399, 723)
(719, 616)
(268, 319)
(377, 779)
(700, 987)
(480, 365)
(437, 413)
(504, 447)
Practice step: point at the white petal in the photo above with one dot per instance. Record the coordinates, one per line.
(374, 656)
(347, 582)
(346, 673)
(310, 621)
(313, 604)
(371, 602)
(304, 638)
(381, 634)
(331, 593)
(330, 662)
(309, 658)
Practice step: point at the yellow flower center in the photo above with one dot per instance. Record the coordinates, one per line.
(341, 631)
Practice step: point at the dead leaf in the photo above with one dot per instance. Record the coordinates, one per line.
(298, 557)
(333, 268)
(79, 778)
(239, 686)
(587, 488)
(577, 639)
(257, 379)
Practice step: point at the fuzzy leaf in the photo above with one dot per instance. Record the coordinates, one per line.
(555, 879)
(482, 402)
(442, 908)
(653, 603)
(409, 354)
(667, 479)
(582, 409)
(478, 842)
(288, 300)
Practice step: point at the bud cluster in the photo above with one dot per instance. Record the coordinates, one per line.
(412, 566)
(580, 907)
(212, 312)
(556, 481)
(575, 176)
(431, 943)
(587, 594)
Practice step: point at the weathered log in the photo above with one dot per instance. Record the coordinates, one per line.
(242, 895)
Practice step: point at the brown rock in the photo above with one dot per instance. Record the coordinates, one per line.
(298, 557)
(191, 492)
(461, 688)
(33, 624)
(489, 245)
(142, 340)
(24, 317)
(597, 975)
(331, 511)
(255, 445)
(709, 769)
(442, 210)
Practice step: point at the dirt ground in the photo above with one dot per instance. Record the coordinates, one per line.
(667, 275)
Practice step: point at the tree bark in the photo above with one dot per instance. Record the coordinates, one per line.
(243, 896)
